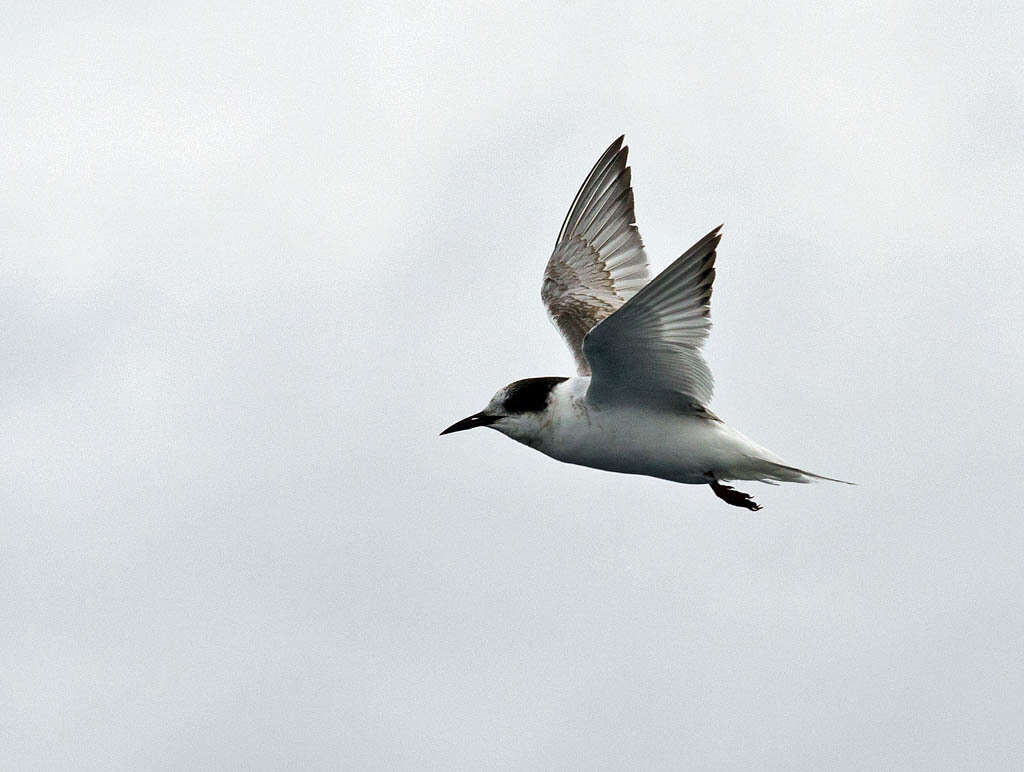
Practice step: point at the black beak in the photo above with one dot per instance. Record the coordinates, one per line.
(480, 419)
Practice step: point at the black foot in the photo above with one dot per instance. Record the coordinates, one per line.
(732, 496)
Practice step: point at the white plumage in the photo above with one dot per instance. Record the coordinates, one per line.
(640, 402)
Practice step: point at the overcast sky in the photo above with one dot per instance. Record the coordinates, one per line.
(254, 258)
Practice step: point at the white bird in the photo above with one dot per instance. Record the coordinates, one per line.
(639, 402)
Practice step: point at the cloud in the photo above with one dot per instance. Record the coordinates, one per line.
(254, 262)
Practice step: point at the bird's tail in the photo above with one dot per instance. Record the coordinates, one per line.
(774, 471)
(758, 463)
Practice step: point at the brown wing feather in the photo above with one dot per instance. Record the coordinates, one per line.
(599, 261)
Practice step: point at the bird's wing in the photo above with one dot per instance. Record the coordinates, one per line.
(599, 261)
(650, 348)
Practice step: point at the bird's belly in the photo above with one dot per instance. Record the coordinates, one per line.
(681, 448)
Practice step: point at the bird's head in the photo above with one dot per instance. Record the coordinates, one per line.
(515, 410)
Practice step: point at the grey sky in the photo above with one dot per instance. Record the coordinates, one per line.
(254, 258)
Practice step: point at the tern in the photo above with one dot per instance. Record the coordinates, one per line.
(639, 401)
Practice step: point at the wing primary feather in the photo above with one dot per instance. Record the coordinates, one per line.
(599, 167)
(599, 261)
(601, 206)
(606, 183)
(651, 345)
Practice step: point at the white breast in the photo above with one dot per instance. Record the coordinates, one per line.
(635, 440)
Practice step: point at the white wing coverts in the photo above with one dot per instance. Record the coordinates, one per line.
(599, 261)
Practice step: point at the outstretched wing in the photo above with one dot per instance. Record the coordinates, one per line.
(599, 261)
(650, 348)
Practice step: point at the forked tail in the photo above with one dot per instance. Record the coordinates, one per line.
(771, 472)
(775, 472)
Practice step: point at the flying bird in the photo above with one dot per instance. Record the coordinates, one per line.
(639, 401)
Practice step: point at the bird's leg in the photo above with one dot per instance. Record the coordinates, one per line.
(732, 496)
